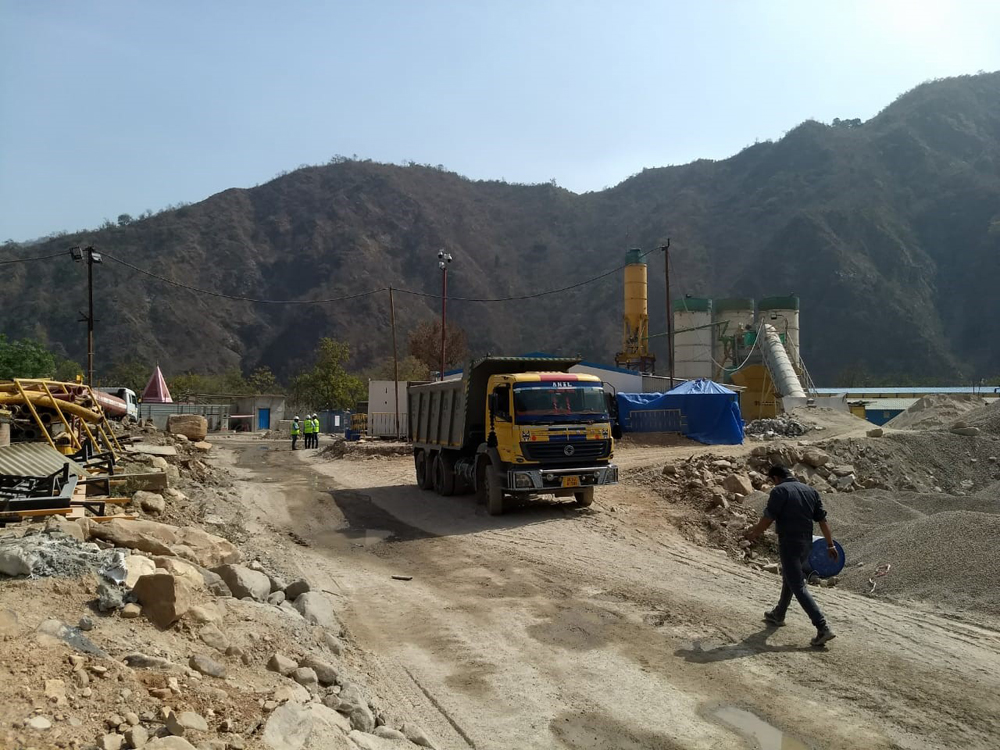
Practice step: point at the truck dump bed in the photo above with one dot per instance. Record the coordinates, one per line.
(451, 413)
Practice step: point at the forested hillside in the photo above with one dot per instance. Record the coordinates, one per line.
(889, 230)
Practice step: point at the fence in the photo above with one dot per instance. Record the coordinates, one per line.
(216, 414)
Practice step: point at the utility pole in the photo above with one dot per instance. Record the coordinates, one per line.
(395, 360)
(670, 312)
(92, 257)
(443, 260)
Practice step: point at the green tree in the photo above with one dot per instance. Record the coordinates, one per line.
(424, 343)
(128, 373)
(67, 370)
(262, 380)
(328, 385)
(410, 368)
(26, 358)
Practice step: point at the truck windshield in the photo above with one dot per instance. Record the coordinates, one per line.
(559, 402)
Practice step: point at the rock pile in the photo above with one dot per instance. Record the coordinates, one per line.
(783, 425)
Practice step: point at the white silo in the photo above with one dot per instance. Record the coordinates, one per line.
(733, 317)
(693, 338)
(783, 314)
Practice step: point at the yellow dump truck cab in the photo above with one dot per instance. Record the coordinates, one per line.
(507, 431)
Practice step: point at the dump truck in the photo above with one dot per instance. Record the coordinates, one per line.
(514, 427)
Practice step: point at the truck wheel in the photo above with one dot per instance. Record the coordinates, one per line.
(584, 497)
(493, 491)
(444, 476)
(423, 470)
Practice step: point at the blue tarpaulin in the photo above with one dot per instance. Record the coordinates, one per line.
(702, 410)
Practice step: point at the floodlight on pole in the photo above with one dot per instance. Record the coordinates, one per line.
(443, 260)
(92, 257)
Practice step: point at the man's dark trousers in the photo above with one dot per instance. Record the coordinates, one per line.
(793, 554)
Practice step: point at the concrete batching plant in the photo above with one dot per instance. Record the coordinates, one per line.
(635, 354)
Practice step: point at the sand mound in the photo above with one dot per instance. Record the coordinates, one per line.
(936, 412)
(949, 558)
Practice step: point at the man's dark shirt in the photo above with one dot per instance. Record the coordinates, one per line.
(794, 507)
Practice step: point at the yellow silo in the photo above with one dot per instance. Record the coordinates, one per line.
(635, 341)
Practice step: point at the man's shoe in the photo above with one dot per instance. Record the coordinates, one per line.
(772, 619)
(822, 637)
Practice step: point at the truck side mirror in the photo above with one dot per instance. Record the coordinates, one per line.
(616, 431)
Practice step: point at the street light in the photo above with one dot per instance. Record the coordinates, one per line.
(443, 260)
(77, 254)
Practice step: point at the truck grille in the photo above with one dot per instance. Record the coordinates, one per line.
(583, 450)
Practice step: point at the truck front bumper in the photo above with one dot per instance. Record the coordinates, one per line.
(553, 480)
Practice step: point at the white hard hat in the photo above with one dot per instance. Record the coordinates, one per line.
(296, 416)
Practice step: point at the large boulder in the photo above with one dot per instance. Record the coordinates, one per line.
(316, 608)
(739, 483)
(209, 550)
(243, 581)
(181, 569)
(147, 536)
(150, 502)
(288, 727)
(164, 598)
(192, 426)
(137, 566)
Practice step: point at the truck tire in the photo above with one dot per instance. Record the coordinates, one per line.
(444, 476)
(493, 491)
(424, 478)
(584, 497)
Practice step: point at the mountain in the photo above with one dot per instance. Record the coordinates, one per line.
(889, 230)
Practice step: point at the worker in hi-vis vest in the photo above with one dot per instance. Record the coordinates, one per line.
(312, 431)
(316, 431)
(296, 431)
(306, 432)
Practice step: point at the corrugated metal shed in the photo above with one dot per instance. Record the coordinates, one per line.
(34, 460)
(888, 404)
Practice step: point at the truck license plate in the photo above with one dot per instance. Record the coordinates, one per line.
(571, 481)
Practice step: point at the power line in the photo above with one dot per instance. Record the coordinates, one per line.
(343, 298)
(28, 260)
(522, 296)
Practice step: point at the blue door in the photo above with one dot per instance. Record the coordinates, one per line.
(263, 419)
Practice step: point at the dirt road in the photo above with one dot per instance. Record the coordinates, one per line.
(554, 627)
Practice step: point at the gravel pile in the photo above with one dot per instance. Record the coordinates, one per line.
(936, 412)
(986, 418)
(949, 558)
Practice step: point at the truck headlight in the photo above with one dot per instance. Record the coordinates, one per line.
(522, 482)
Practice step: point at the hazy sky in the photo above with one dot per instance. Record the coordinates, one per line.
(115, 107)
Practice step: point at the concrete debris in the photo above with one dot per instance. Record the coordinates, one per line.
(185, 723)
(326, 673)
(305, 677)
(42, 555)
(39, 723)
(54, 631)
(110, 596)
(142, 661)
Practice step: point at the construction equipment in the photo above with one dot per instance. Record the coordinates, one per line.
(514, 427)
(68, 416)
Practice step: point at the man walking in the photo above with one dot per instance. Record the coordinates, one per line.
(794, 506)
(296, 430)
